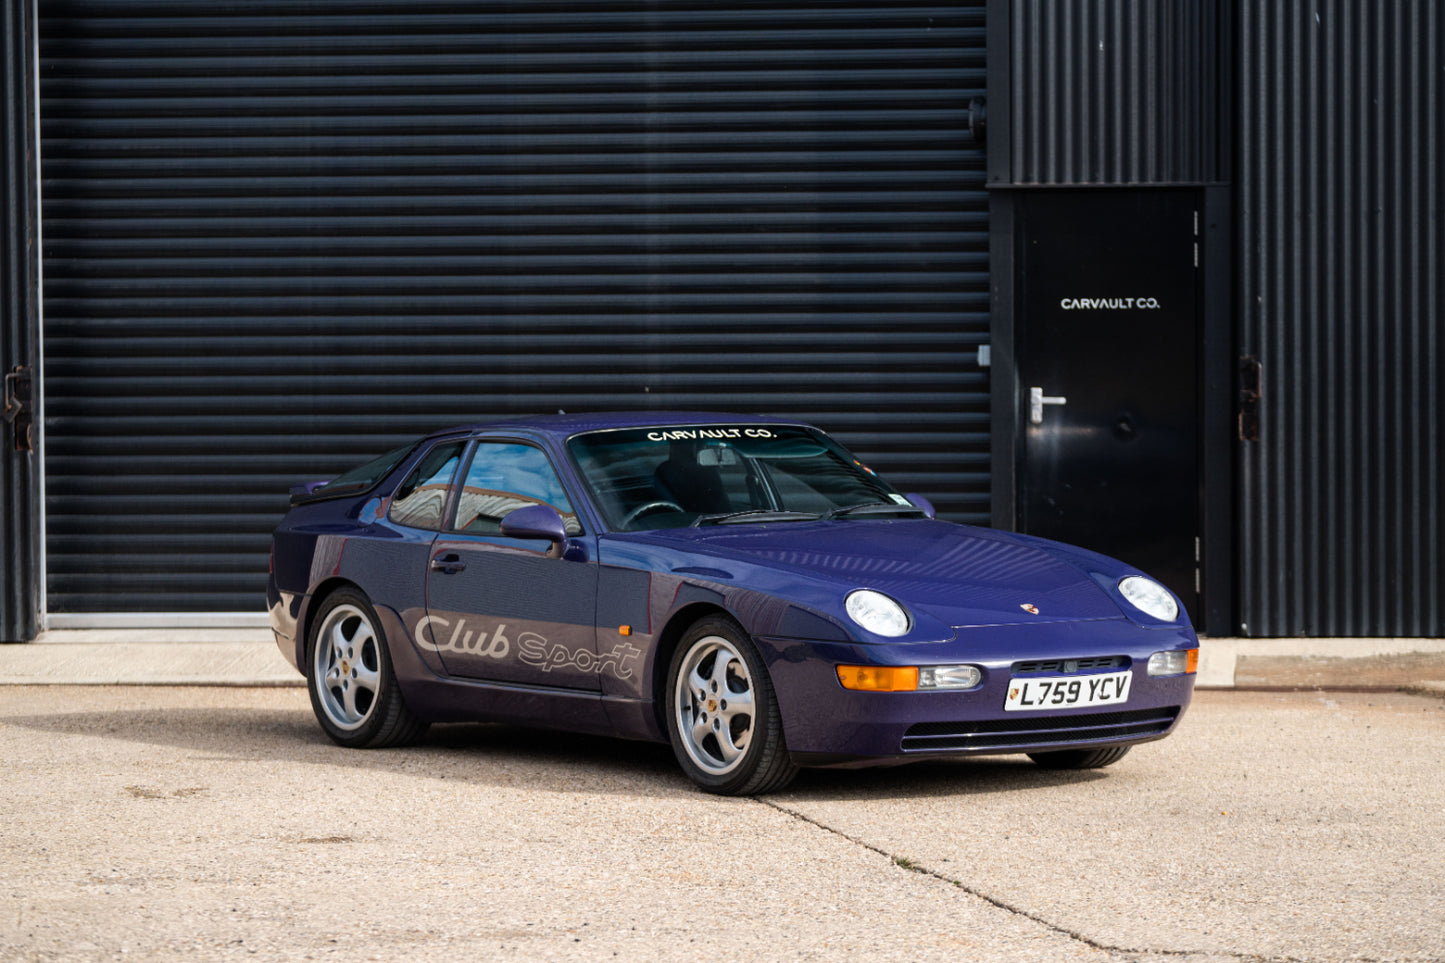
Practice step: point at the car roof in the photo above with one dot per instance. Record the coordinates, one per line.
(564, 425)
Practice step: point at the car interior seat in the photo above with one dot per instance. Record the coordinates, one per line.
(694, 487)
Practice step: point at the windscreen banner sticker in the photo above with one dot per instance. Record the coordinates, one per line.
(707, 434)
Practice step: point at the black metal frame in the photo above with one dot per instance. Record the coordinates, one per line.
(19, 330)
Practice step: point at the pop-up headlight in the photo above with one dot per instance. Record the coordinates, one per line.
(1149, 597)
(877, 613)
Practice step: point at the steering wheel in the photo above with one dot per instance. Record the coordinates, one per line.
(647, 507)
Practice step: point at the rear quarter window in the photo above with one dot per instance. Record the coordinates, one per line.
(422, 497)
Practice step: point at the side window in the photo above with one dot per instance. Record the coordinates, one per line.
(504, 477)
(422, 498)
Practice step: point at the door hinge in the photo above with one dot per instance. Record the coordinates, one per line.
(1198, 575)
(19, 410)
(978, 120)
(1251, 390)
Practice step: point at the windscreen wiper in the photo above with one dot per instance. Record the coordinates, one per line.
(873, 508)
(755, 515)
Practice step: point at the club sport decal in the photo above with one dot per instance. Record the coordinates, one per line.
(461, 640)
(532, 649)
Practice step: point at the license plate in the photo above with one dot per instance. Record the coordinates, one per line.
(1027, 695)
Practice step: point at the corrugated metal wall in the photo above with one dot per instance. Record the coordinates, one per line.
(19, 263)
(281, 236)
(1103, 95)
(1341, 197)
(1109, 92)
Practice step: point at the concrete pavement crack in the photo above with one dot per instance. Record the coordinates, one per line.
(903, 862)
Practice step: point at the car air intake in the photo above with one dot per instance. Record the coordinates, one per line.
(1051, 730)
(1071, 666)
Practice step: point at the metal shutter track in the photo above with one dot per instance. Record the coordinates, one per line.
(281, 237)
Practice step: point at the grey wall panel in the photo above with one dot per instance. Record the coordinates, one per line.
(19, 333)
(281, 237)
(1117, 92)
(1342, 226)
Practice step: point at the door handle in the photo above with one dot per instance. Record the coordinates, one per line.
(1037, 400)
(449, 564)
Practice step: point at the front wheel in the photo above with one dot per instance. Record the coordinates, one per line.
(723, 718)
(1080, 758)
(348, 672)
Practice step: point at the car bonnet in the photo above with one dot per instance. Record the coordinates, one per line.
(959, 575)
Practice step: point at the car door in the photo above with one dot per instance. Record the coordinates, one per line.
(504, 609)
(392, 562)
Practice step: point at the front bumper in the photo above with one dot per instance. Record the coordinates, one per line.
(827, 725)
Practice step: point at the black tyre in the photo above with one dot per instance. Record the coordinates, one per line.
(722, 715)
(1080, 758)
(348, 672)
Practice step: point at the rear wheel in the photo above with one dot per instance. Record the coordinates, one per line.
(1080, 758)
(723, 718)
(349, 674)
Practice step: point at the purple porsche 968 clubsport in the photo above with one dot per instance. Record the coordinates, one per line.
(740, 587)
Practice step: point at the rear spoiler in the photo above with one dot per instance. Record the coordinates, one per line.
(307, 492)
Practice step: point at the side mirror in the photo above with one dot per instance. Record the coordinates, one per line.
(538, 521)
(920, 502)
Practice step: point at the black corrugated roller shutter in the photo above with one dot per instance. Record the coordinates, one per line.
(282, 236)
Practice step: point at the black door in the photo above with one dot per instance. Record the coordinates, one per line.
(1107, 374)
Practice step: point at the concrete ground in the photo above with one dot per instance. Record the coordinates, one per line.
(217, 823)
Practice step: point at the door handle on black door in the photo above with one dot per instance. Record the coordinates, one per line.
(1037, 400)
(449, 564)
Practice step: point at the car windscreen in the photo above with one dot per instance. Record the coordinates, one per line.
(673, 477)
